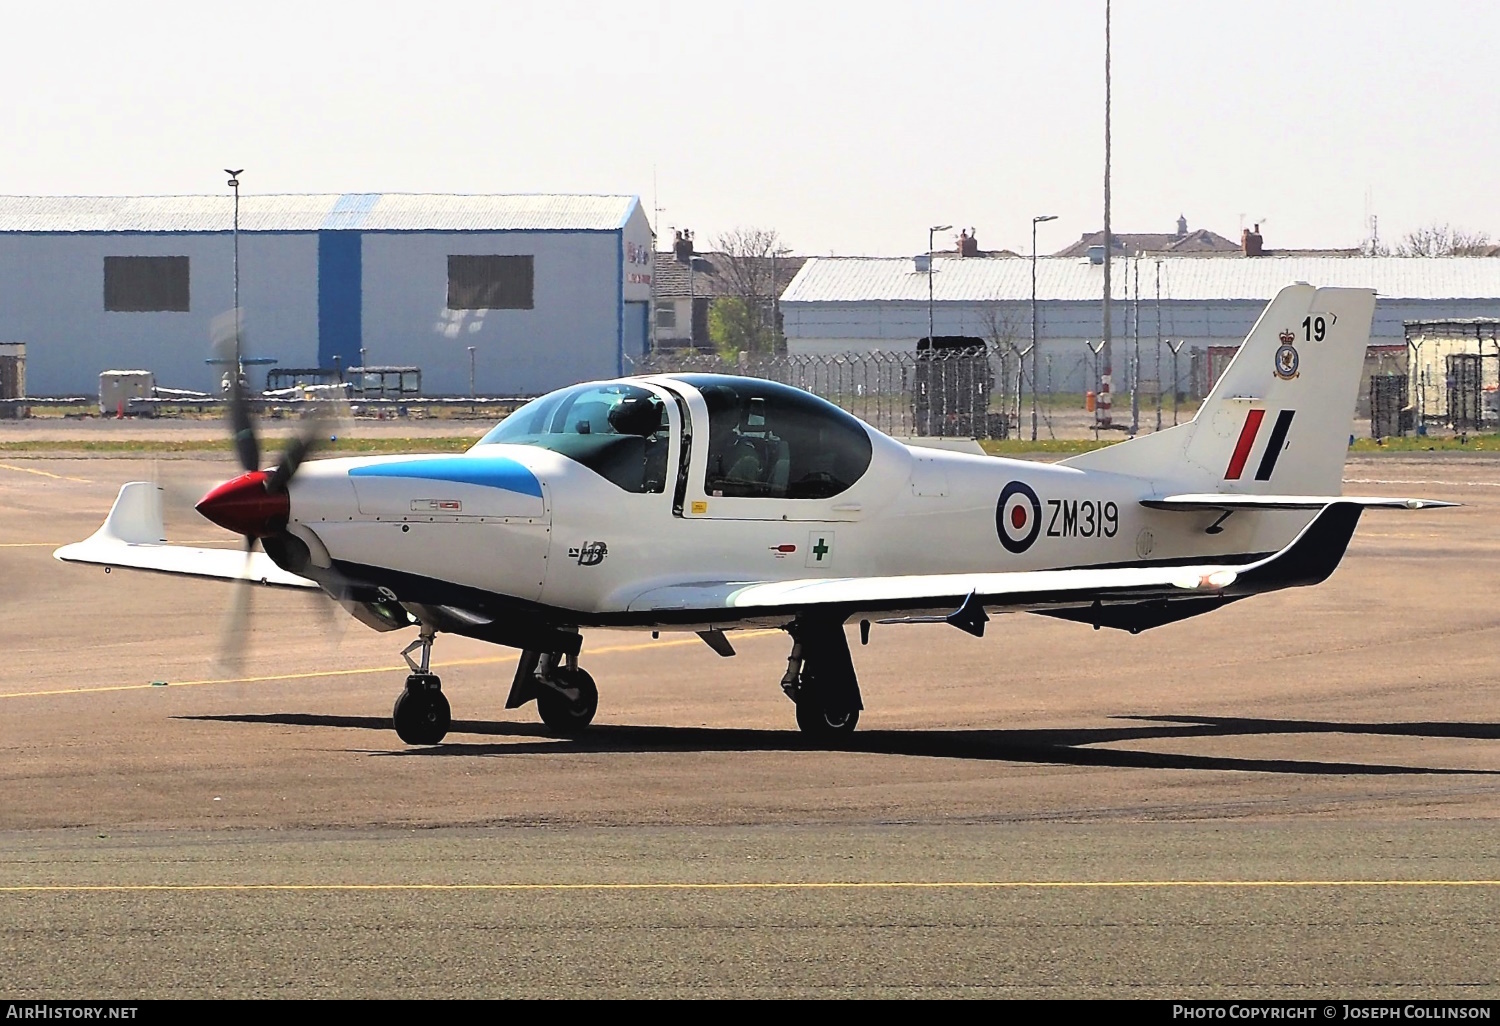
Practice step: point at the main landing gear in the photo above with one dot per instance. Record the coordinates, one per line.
(421, 715)
(566, 698)
(820, 679)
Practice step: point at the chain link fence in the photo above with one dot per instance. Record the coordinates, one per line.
(968, 392)
(963, 393)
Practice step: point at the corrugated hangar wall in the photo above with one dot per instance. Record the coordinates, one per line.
(571, 333)
(51, 298)
(380, 296)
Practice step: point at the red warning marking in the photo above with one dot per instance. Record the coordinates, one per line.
(1242, 447)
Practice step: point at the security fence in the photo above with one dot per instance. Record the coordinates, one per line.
(965, 392)
(969, 392)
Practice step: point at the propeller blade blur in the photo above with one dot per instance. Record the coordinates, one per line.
(234, 631)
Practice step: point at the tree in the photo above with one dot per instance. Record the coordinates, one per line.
(734, 326)
(752, 269)
(1001, 326)
(1438, 240)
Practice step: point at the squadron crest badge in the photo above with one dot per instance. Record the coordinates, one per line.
(1286, 357)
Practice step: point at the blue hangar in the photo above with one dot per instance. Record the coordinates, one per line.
(547, 289)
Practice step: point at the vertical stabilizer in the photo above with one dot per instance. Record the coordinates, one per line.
(1279, 417)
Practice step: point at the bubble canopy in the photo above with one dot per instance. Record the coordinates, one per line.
(765, 440)
(772, 441)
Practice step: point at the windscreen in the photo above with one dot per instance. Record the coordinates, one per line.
(617, 430)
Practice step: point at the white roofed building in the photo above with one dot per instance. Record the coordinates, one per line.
(861, 304)
(547, 289)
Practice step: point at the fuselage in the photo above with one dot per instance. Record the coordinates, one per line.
(736, 482)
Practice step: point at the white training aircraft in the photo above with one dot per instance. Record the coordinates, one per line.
(696, 502)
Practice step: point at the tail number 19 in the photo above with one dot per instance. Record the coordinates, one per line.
(1314, 329)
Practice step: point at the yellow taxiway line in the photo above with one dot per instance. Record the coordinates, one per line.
(43, 473)
(796, 885)
(359, 671)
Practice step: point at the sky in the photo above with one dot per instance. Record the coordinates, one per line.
(849, 128)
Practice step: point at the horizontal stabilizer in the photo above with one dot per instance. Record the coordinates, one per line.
(1218, 502)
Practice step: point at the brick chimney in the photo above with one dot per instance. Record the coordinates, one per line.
(1251, 242)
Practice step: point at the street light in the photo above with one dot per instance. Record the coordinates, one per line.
(234, 183)
(1034, 222)
(930, 233)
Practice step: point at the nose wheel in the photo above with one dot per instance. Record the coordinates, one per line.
(421, 715)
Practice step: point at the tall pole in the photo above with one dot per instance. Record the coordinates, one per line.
(1135, 353)
(931, 232)
(1034, 222)
(472, 393)
(1158, 344)
(1104, 399)
(234, 183)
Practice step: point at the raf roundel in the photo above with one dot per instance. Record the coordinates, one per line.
(1018, 517)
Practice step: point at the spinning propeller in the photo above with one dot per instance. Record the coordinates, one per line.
(256, 505)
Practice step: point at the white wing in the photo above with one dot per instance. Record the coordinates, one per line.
(1141, 596)
(1202, 502)
(133, 536)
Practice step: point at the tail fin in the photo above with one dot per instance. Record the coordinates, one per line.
(1278, 419)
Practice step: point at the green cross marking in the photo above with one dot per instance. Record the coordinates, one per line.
(820, 550)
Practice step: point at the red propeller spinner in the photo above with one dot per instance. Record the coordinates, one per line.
(247, 506)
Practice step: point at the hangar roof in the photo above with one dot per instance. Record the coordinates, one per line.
(1069, 279)
(315, 212)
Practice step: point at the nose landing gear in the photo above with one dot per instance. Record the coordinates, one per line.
(421, 715)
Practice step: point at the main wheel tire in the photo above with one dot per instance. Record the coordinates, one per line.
(821, 723)
(564, 715)
(422, 717)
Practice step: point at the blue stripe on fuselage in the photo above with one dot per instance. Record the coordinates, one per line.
(489, 471)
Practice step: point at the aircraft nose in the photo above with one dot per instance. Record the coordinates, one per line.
(245, 507)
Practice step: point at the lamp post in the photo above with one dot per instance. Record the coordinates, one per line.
(234, 183)
(1034, 222)
(930, 233)
(472, 393)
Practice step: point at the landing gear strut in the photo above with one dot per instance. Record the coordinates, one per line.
(566, 698)
(421, 714)
(820, 679)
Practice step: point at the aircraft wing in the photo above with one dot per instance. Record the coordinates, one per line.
(133, 536)
(1217, 502)
(1309, 559)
